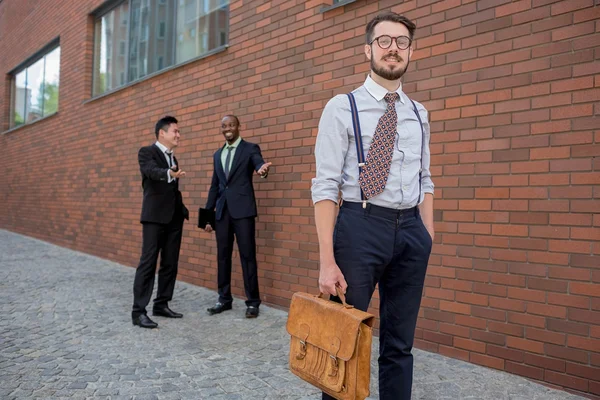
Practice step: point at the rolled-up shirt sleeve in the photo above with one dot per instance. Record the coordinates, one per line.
(330, 150)
(426, 182)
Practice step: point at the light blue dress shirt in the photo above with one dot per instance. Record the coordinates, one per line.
(336, 157)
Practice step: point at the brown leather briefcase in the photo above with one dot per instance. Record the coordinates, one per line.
(330, 345)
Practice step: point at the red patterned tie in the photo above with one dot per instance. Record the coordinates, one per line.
(374, 174)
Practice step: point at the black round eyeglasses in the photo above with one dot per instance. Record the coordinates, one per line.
(385, 41)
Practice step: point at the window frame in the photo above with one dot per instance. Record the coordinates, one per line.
(29, 61)
(108, 7)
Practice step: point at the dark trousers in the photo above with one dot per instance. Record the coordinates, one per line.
(244, 231)
(391, 248)
(166, 240)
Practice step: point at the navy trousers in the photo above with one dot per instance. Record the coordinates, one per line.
(244, 231)
(377, 245)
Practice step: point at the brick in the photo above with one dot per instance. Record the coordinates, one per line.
(544, 362)
(455, 307)
(545, 336)
(569, 6)
(571, 273)
(531, 15)
(547, 310)
(453, 353)
(527, 294)
(531, 116)
(578, 260)
(572, 84)
(529, 218)
(558, 325)
(550, 153)
(589, 317)
(550, 127)
(486, 361)
(551, 101)
(488, 313)
(524, 344)
(572, 138)
(566, 353)
(524, 370)
(585, 69)
(583, 371)
(572, 111)
(470, 345)
(508, 280)
(472, 322)
(570, 165)
(585, 289)
(507, 304)
(513, 8)
(557, 22)
(569, 300)
(586, 15)
(507, 329)
(566, 381)
(579, 57)
(437, 338)
(551, 49)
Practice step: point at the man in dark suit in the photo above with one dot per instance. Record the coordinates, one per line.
(162, 217)
(232, 195)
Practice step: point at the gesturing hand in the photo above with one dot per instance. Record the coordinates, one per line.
(264, 169)
(177, 173)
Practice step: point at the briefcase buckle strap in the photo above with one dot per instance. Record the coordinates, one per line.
(302, 354)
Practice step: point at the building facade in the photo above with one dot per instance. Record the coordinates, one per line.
(513, 91)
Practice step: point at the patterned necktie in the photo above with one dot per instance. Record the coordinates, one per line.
(227, 160)
(374, 174)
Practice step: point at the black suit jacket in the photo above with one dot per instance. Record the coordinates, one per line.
(237, 190)
(161, 199)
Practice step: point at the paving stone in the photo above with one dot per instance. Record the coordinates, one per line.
(52, 345)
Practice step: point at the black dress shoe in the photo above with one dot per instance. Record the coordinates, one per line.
(219, 308)
(252, 312)
(166, 312)
(144, 322)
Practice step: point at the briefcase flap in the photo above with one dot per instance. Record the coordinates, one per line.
(325, 324)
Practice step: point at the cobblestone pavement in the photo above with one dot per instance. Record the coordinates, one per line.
(66, 333)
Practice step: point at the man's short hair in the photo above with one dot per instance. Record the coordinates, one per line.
(164, 123)
(392, 17)
(233, 116)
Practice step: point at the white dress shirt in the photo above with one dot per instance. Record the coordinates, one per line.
(166, 153)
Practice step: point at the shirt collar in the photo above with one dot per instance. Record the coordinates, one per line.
(162, 147)
(235, 144)
(378, 92)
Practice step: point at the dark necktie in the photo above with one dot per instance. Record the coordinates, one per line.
(374, 175)
(170, 155)
(227, 160)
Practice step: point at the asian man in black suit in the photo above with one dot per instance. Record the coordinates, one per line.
(162, 217)
(231, 194)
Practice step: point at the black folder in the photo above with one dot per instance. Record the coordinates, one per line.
(206, 216)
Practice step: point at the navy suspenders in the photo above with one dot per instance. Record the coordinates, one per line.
(360, 153)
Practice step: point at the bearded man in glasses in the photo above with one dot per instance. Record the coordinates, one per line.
(373, 147)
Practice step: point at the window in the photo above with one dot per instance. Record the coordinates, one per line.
(35, 89)
(154, 35)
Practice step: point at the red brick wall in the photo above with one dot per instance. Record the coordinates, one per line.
(513, 89)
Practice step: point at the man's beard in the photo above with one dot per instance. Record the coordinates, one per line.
(390, 75)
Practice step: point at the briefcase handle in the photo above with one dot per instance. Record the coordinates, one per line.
(340, 295)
